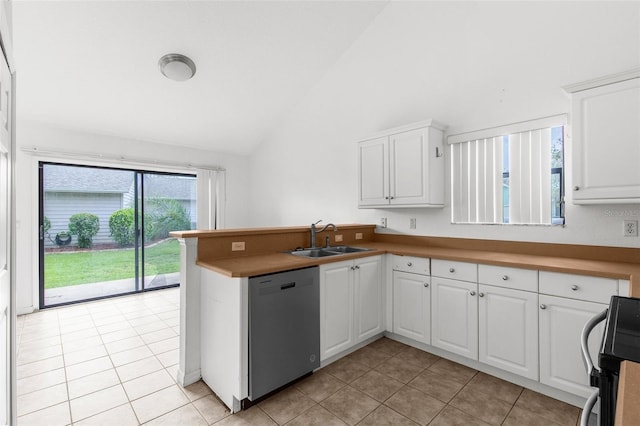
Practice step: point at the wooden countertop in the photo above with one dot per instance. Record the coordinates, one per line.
(628, 408)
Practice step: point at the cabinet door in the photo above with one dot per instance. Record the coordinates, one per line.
(336, 308)
(454, 316)
(561, 323)
(412, 306)
(508, 330)
(373, 168)
(368, 291)
(416, 168)
(606, 143)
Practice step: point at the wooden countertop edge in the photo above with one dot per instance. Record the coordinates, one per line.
(255, 231)
(628, 406)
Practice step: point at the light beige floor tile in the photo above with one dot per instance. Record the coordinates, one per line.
(84, 355)
(122, 415)
(97, 402)
(172, 322)
(211, 408)
(138, 368)
(176, 329)
(152, 326)
(76, 324)
(130, 355)
(88, 367)
(165, 345)
(118, 335)
(43, 398)
(79, 335)
(33, 355)
(142, 317)
(195, 390)
(350, 405)
(147, 384)
(173, 371)
(159, 403)
(57, 415)
(92, 383)
(39, 344)
(110, 318)
(156, 336)
(78, 345)
(39, 367)
(185, 415)
(169, 358)
(110, 328)
(175, 313)
(124, 344)
(41, 381)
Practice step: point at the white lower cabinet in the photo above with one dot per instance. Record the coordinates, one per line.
(561, 323)
(412, 306)
(350, 304)
(454, 316)
(508, 330)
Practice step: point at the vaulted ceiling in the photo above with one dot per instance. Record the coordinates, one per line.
(93, 65)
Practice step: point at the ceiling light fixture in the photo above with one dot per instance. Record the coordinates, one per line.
(177, 67)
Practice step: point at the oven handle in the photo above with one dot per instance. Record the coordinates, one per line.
(584, 341)
(588, 407)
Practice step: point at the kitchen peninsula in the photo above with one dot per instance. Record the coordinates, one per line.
(225, 259)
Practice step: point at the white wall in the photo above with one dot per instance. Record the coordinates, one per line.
(51, 139)
(469, 65)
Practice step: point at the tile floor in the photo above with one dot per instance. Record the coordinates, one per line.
(114, 362)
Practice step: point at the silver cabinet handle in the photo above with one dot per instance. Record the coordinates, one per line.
(353, 268)
(409, 264)
(574, 287)
(391, 198)
(386, 198)
(481, 294)
(576, 188)
(543, 306)
(452, 270)
(357, 266)
(426, 284)
(473, 293)
(505, 277)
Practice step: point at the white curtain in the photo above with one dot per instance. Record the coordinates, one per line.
(211, 198)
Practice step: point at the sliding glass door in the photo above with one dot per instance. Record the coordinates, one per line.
(105, 232)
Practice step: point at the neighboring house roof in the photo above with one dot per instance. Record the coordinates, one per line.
(95, 180)
(169, 186)
(86, 179)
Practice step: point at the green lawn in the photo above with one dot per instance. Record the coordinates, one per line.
(65, 269)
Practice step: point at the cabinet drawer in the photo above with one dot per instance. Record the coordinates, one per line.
(582, 287)
(501, 276)
(416, 265)
(455, 270)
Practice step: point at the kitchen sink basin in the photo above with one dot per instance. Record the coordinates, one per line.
(327, 251)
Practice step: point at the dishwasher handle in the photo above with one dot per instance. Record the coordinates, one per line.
(584, 340)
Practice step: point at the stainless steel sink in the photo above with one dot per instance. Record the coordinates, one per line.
(327, 251)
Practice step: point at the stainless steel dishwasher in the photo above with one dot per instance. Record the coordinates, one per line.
(284, 329)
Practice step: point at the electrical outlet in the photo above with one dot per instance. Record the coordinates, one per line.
(237, 246)
(339, 238)
(412, 223)
(630, 228)
(383, 222)
(358, 235)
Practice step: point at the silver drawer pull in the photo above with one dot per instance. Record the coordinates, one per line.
(409, 264)
(574, 287)
(481, 294)
(452, 270)
(505, 277)
(473, 293)
(426, 284)
(543, 306)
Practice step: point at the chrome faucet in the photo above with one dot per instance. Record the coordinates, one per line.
(315, 230)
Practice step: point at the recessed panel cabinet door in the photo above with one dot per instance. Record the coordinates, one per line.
(508, 330)
(373, 185)
(336, 308)
(561, 324)
(409, 167)
(412, 306)
(368, 293)
(454, 316)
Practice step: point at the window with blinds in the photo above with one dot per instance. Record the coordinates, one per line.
(509, 175)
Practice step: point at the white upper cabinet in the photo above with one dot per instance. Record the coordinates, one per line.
(606, 140)
(402, 167)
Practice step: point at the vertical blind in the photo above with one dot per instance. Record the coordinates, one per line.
(503, 175)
